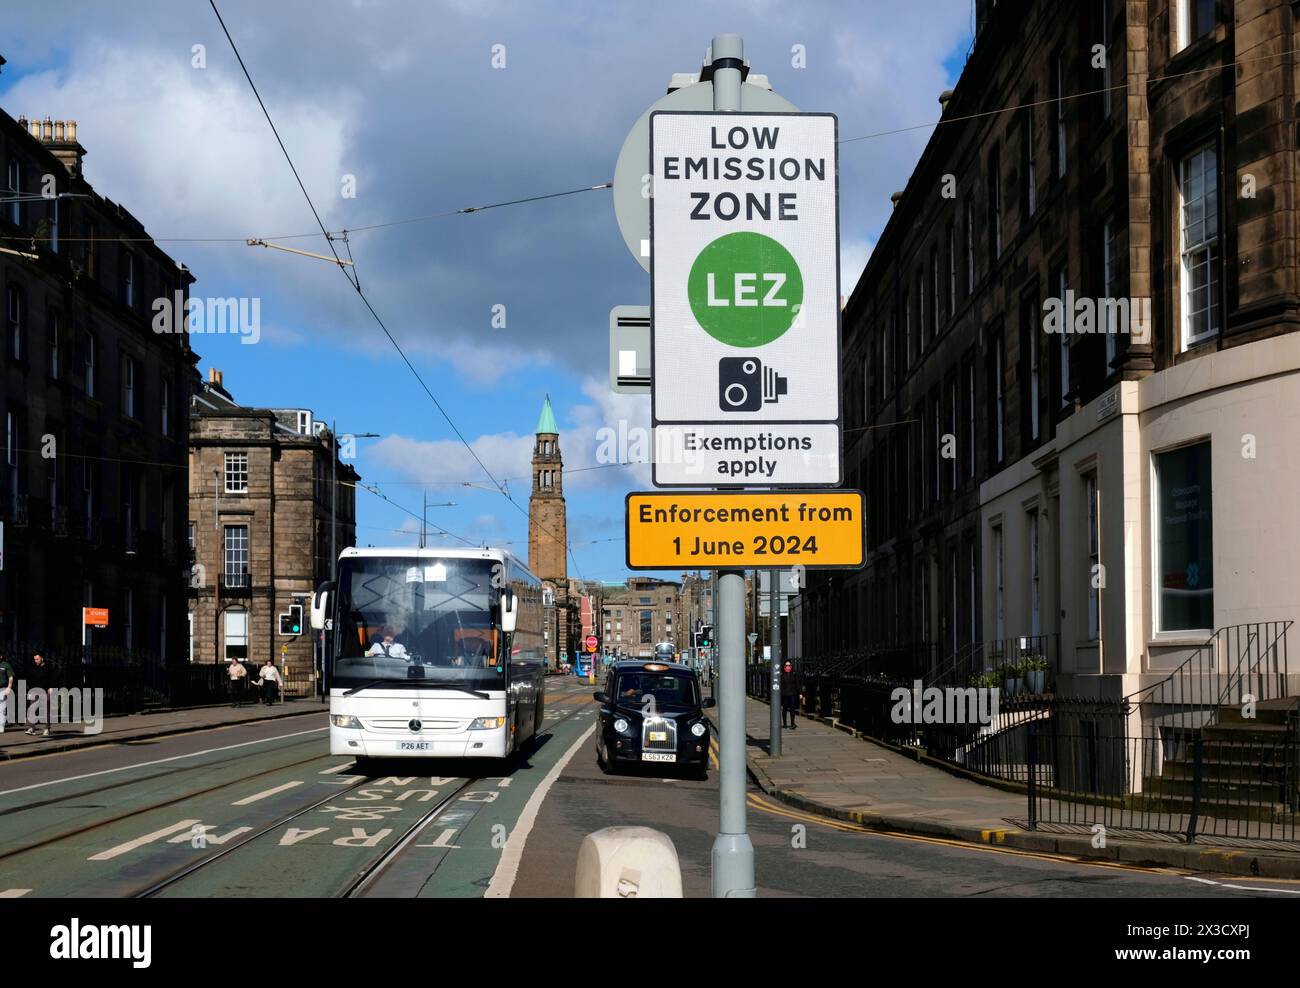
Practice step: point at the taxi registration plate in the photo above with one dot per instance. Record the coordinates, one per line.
(656, 756)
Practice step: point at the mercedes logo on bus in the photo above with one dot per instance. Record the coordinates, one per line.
(414, 725)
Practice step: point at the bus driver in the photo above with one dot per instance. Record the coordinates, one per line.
(388, 646)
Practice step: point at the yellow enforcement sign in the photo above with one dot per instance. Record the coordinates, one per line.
(724, 530)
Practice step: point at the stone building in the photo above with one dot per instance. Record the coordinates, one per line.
(548, 540)
(259, 526)
(1121, 489)
(92, 484)
(639, 614)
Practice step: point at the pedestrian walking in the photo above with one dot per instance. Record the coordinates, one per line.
(270, 682)
(39, 697)
(238, 678)
(789, 695)
(6, 689)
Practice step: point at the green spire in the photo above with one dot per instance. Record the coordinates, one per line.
(546, 424)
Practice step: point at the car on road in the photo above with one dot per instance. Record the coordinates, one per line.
(652, 713)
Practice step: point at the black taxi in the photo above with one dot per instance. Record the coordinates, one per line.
(652, 713)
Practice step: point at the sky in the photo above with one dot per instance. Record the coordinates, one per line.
(407, 110)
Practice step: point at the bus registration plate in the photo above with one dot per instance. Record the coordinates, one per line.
(657, 756)
(412, 745)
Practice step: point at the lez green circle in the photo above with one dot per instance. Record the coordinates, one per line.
(770, 289)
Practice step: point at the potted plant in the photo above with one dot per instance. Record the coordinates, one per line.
(1036, 673)
(1012, 679)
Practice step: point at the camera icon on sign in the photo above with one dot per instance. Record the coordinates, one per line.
(744, 384)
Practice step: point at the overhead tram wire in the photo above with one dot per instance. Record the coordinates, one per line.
(340, 234)
(357, 286)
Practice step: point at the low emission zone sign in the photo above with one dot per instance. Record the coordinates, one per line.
(721, 530)
(745, 315)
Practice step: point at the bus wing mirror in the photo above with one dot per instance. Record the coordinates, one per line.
(509, 611)
(320, 605)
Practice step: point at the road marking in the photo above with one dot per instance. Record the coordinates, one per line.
(1245, 888)
(503, 879)
(761, 804)
(160, 761)
(264, 793)
(131, 845)
(337, 768)
(13, 893)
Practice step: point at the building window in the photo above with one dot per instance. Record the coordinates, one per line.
(970, 417)
(1110, 277)
(235, 559)
(934, 292)
(236, 473)
(128, 630)
(1185, 539)
(236, 636)
(128, 278)
(907, 330)
(999, 590)
(999, 401)
(128, 387)
(952, 269)
(995, 202)
(970, 244)
(1035, 589)
(1105, 65)
(920, 309)
(15, 210)
(1064, 339)
(52, 333)
(1058, 86)
(165, 406)
(1094, 557)
(1191, 19)
(952, 431)
(647, 635)
(937, 444)
(972, 597)
(13, 434)
(1030, 337)
(1029, 189)
(88, 496)
(190, 536)
(1198, 199)
(88, 364)
(15, 312)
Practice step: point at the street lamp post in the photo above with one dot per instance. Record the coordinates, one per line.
(425, 506)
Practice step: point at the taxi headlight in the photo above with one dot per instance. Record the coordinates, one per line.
(345, 720)
(698, 728)
(620, 725)
(487, 723)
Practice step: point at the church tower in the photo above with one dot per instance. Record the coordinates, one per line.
(547, 535)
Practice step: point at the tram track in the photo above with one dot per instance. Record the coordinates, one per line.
(139, 811)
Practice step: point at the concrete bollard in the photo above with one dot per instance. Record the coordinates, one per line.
(627, 863)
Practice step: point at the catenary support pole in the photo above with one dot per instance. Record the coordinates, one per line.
(733, 854)
(774, 626)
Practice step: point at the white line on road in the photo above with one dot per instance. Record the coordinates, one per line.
(337, 768)
(264, 793)
(13, 893)
(160, 761)
(1243, 888)
(131, 845)
(503, 879)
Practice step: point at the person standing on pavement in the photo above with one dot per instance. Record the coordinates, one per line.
(6, 689)
(789, 695)
(270, 682)
(238, 676)
(38, 682)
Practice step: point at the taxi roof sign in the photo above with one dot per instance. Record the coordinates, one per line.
(816, 529)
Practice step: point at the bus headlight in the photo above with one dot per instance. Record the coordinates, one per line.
(620, 725)
(345, 720)
(487, 723)
(698, 728)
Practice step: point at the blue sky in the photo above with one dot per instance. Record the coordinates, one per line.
(404, 97)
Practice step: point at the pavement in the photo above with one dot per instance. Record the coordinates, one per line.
(831, 770)
(16, 743)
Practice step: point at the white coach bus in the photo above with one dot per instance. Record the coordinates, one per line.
(433, 653)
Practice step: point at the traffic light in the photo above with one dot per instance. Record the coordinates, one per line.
(706, 636)
(291, 623)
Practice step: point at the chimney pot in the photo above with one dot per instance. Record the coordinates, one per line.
(49, 129)
(944, 97)
(58, 130)
(72, 130)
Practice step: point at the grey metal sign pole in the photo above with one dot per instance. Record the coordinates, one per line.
(733, 854)
(774, 626)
